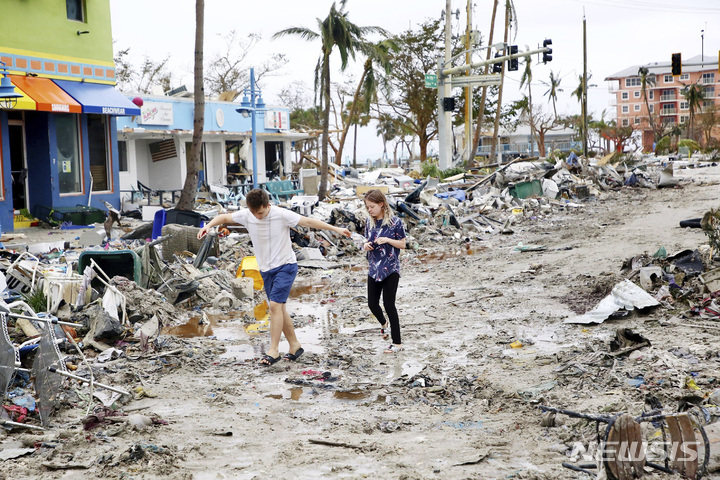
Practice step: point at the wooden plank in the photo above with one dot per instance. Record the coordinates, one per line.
(689, 447)
(675, 443)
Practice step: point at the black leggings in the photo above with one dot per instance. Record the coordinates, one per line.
(388, 288)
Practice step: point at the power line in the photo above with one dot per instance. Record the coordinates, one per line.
(652, 6)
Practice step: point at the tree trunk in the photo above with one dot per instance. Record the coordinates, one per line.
(481, 109)
(541, 143)
(187, 197)
(355, 147)
(500, 90)
(532, 127)
(322, 191)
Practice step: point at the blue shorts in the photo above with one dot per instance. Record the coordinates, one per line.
(279, 281)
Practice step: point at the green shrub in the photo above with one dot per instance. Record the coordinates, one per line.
(450, 172)
(663, 146)
(430, 169)
(36, 300)
(692, 145)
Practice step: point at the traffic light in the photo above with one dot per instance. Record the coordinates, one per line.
(547, 55)
(676, 64)
(449, 104)
(513, 62)
(497, 67)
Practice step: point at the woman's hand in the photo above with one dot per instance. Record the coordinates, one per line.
(368, 247)
(382, 240)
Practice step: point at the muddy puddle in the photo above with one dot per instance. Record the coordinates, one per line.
(234, 328)
(348, 396)
(465, 250)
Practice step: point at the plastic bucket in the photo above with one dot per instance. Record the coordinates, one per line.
(249, 268)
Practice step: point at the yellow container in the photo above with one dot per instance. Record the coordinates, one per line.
(249, 268)
(21, 221)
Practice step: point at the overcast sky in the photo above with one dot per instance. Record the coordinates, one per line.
(620, 33)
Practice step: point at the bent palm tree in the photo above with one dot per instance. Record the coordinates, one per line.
(334, 31)
(647, 81)
(367, 86)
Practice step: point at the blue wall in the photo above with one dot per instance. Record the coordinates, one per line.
(6, 210)
(183, 117)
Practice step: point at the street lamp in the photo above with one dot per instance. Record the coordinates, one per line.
(250, 107)
(8, 96)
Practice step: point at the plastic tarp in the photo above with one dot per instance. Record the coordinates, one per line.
(625, 295)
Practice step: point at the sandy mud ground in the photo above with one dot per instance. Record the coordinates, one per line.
(459, 403)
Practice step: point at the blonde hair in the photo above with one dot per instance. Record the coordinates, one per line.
(378, 197)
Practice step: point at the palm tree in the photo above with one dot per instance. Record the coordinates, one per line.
(377, 53)
(552, 92)
(694, 94)
(647, 81)
(386, 129)
(526, 78)
(579, 93)
(335, 31)
(187, 196)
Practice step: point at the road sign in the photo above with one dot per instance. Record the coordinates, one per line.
(430, 80)
(475, 81)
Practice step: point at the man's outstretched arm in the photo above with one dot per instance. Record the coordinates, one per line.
(320, 225)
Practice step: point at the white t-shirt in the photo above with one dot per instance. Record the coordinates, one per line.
(270, 236)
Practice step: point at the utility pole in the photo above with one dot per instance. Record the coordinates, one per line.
(496, 126)
(444, 91)
(469, 154)
(585, 87)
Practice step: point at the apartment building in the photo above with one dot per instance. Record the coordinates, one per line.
(664, 94)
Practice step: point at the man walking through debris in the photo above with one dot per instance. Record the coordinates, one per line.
(269, 229)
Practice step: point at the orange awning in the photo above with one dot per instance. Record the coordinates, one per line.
(47, 95)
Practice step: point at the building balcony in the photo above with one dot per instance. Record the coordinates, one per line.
(613, 86)
(668, 111)
(667, 98)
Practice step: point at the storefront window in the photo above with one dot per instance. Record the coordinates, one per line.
(98, 147)
(68, 152)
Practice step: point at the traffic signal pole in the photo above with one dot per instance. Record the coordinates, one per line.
(444, 91)
(469, 154)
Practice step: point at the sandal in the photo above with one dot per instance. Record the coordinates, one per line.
(394, 348)
(267, 360)
(382, 331)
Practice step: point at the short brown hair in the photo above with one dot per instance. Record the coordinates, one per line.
(256, 199)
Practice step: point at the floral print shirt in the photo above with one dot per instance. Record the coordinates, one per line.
(384, 259)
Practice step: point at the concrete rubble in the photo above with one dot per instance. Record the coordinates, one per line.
(117, 312)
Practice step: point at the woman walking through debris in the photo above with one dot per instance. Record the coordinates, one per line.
(269, 229)
(385, 237)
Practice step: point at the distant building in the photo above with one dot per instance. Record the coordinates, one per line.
(518, 143)
(664, 95)
(154, 145)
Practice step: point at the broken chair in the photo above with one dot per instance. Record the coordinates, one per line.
(624, 452)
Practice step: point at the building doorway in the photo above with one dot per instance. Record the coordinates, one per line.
(274, 160)
(18, 163)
